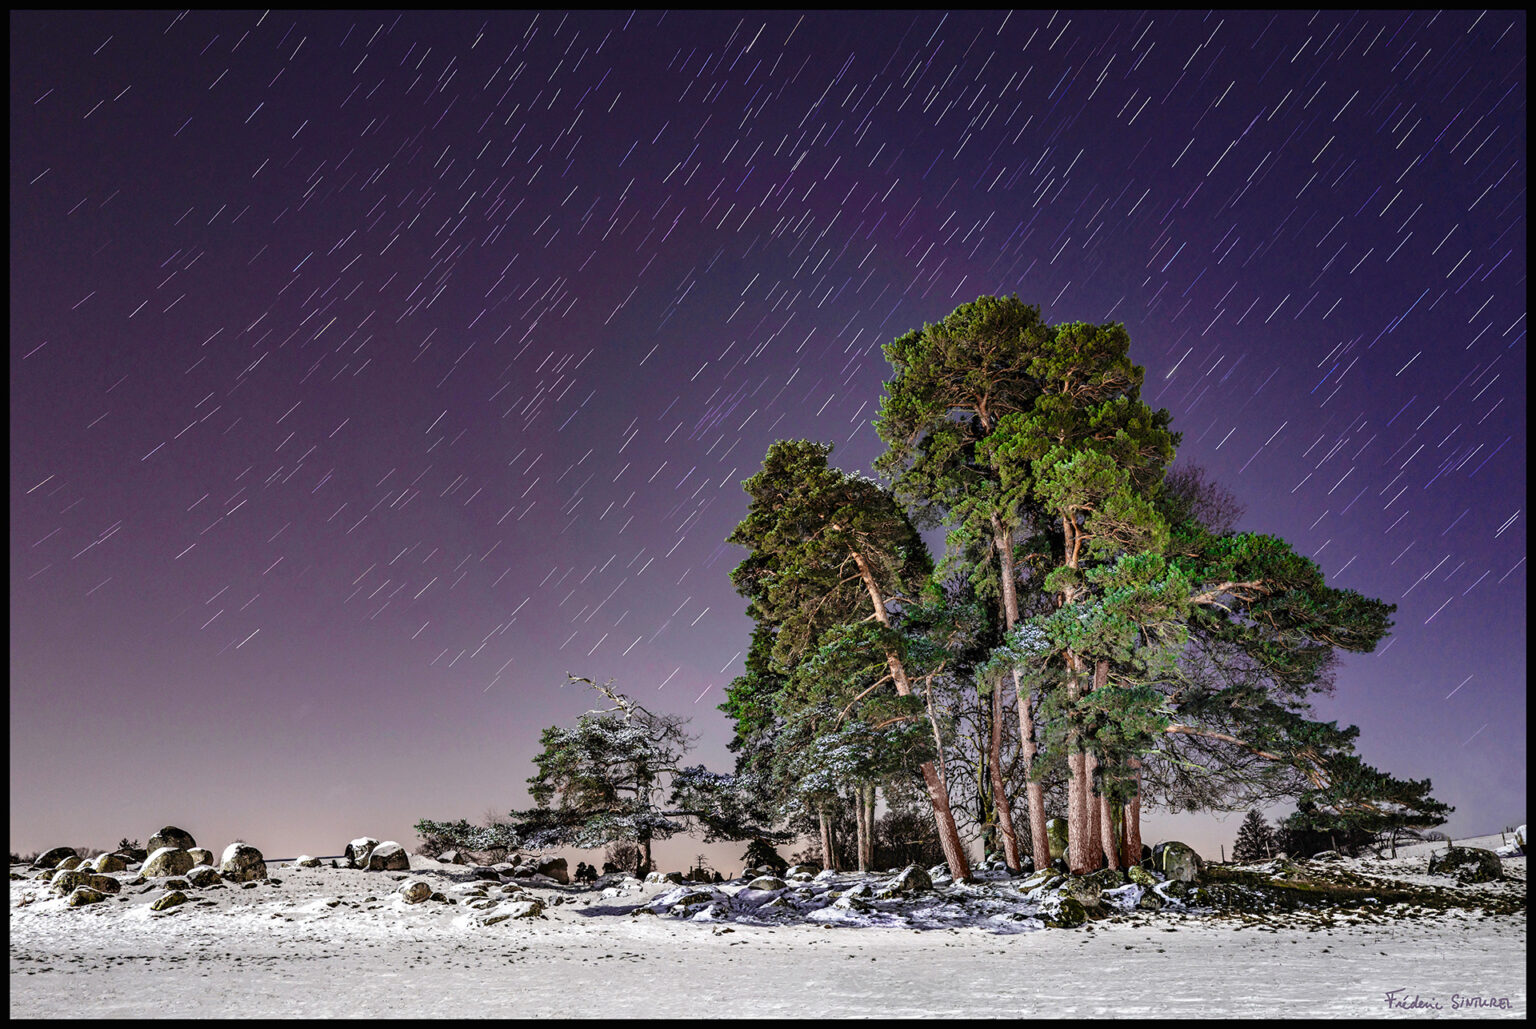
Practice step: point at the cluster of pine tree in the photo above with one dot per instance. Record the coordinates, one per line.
(1147, 652)
(1096, 637)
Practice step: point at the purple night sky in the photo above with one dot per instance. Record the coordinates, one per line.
(369, 372)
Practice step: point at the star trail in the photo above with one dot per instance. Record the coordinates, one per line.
(369, 372)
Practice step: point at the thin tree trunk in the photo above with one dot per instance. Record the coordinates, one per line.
(938, 792)
(869, 826)
(827, 858)
(858, 827)
(999, 788)
(1133, 818)
(1034, 793)
(645, 858)
(1095, 833)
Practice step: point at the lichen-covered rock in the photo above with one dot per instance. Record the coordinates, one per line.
(801, 870)
(83, 895)
(767, 882)
(555, 868)
(67, 879)
(1056, 837)
(1150, 901)
(1185, 892)
(1064, 913)
(388, 856)
(1468, 865)
(1082, 889)
(51, 858)
(167, 861)
(103, 883)
(666, 877)
(1107, 878)
(170, 836)
(530, 908)
(203, 876)
(358, 850)
(109, 863)
(202, 855)
(1045, 878)
(908, 881)
(169, 900)
(242, 863)
(415, 890)
(71, 862)
(1177, 861)
(1140, 876)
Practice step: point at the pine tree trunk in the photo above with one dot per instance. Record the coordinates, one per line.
(645, 858)
(858, 826)
(1107, 831)
(1095, 832)
(869, 827)
(938, 793)
(1133, 818)
(999, 787)
(827, 858)
(1034, 793)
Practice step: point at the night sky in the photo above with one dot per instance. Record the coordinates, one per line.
(370, 372)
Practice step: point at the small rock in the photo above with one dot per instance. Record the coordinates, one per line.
(169, 900)
(203, 876)
(83, 895)
(415, 891)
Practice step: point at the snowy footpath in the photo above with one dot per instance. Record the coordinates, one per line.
(343, 943)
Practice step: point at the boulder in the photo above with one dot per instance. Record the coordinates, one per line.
(1056, 837)
(1150, 901)
(388, 856)
(67, 879)
(487, 874)
(766, 882)
(110, 863)
(169, 900)
(1106, 878)
(1081, 888)
(1176, 861)
(453, 857)
(242, 863)
(1468, 865)
(1327, 855)
(83, 895)
(666, 877)
(167, 861)
(204, 876)
(1141, 877)
(415, 890)
(170, 836)
(202, 855)
(908, 881)
(103, 883)
(1520, 838)
(1064, 913)
(70, 862)
(554, 867)
(358, 850)
(805, 870)
(305, 861)
(51, 858)
(530, 908)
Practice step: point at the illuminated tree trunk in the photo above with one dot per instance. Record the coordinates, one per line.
(938, 792)
(1095, 828)
(1133, 819)
(1034, 793)
(828, 859)
(999, 787)
(1108, 830)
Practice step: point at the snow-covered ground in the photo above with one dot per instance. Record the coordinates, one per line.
(326, 942)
